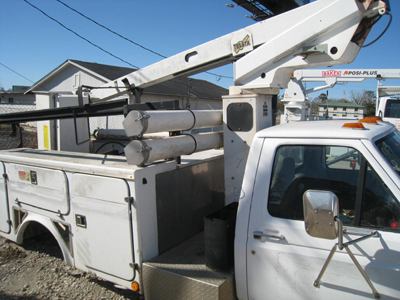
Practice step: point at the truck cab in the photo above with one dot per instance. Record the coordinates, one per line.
(274, 253)
(389, 110)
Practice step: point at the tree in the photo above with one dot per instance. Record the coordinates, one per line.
(356, 96)
(323, 98)
(369, 102)
(366, 99)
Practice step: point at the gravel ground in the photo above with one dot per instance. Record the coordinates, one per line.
(37, 271)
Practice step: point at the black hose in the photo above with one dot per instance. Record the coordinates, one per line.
(383, 32)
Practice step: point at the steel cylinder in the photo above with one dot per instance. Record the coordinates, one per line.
(104, 134)
(140, 122)
(139, 152)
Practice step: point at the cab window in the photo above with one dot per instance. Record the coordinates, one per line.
(379, 207)
(340, 170)
(389, 146)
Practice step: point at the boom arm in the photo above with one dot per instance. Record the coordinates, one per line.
(295, 97)
(296, 91)
(325, 32)
(347, 75)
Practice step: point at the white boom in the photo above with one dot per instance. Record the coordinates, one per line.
(322, 33)
(346, 75)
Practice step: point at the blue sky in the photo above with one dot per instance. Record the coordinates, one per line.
(33, 45)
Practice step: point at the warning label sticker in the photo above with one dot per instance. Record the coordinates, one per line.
(25, 176)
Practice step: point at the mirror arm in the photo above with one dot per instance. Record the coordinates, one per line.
(342, 245)
(340, 232)
(353, 258)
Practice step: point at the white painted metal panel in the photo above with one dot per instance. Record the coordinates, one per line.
(42, 188)
(72, 136)
(4, 211)
(104, 243)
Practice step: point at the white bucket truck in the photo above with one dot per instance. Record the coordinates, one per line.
(141, 226)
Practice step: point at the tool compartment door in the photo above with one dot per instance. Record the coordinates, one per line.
(102, 225)
(33, 187)
(4, 210)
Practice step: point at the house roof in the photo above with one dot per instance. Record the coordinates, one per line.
(106, 71)
(182, 87)
(341, 104)
(16, 89)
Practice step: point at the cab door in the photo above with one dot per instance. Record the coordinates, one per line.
(283, 261)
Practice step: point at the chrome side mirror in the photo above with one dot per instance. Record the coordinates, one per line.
(320, 210)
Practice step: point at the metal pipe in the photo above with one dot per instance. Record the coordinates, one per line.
(140, 152)
(140, 122)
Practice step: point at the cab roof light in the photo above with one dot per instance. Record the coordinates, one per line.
(376, 118)
(369, 121)
(353, 125)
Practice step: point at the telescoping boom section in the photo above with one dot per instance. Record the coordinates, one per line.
(322, 33)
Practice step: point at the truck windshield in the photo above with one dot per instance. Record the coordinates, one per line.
(392, 109)
(389, 146)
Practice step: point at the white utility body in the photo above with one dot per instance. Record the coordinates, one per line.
(141, 227)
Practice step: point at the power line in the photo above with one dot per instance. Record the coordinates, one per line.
(15, 72)
(129, 40)
(116, 33)
(85, 39)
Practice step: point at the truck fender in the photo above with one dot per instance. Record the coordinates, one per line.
(50, 225)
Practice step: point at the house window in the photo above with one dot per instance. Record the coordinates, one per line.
(344, 108)
(335, 108)
(356, 109)
(10, 100)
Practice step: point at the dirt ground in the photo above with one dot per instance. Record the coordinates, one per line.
(37, 271)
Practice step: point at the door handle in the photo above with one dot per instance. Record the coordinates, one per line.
(259, 234)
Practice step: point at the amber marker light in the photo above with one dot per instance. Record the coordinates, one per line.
(376, 118)
(135, 286)
(353, 125)
(368, 120)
